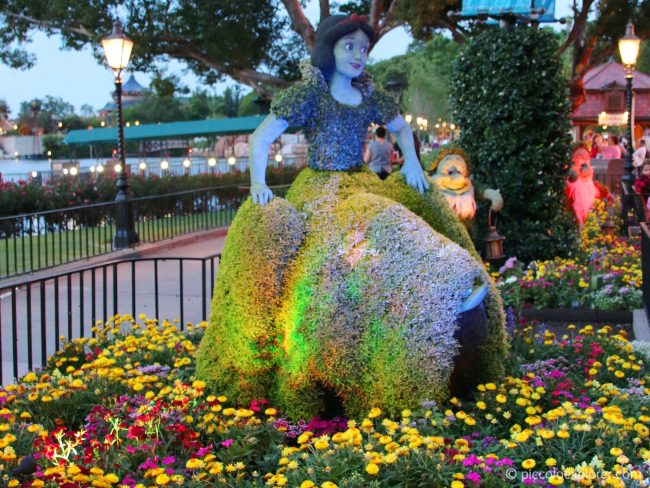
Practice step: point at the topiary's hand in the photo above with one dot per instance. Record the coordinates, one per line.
(495, 197)
(415, 176)
(261, 193)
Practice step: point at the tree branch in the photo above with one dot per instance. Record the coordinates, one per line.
(376, 8)
(300, 23)
(260, 82)
(578, 25)
(324, 9)
(81, 30)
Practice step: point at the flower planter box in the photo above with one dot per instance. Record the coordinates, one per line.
(577, 315)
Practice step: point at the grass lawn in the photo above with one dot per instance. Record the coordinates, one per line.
(32, 253)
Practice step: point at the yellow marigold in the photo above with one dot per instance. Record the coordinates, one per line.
(198, 384)
(329, 484)
(30, 378)
(457, 484)
(112, 478)
(375, 412)
(321, 444)
(556, 480)
(550, 462)
(307, 484)
(528, 464)
(616, 451)
(162, 479)
(194, 463)
(271, 412)
(372, 469)
(501, 398)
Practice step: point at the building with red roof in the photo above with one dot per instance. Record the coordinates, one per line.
(605, 91)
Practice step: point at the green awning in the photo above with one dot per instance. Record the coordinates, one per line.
(168, 130)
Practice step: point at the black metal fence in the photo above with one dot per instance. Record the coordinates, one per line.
(35, 314)
(36, 241)
(645, 265)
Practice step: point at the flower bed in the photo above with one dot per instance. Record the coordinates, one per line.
(605, 276)
(123, 410)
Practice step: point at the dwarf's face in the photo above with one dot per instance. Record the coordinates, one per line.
(582, 164)
(452, 175)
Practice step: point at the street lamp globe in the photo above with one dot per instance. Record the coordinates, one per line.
(187, 163)
(117, 48)
(408, 118)
(212, 162)
(628, 47)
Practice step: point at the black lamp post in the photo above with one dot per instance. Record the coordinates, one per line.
(117, 48)
(628, 46)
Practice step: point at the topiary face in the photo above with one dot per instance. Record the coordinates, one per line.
(452, 175)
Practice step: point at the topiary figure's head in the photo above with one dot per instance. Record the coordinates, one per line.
(329, 32)
(444, 152)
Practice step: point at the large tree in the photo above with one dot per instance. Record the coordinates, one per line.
(255, 42)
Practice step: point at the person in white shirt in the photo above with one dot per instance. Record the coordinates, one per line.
(638, 157)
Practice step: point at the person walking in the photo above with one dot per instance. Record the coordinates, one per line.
(378, 154)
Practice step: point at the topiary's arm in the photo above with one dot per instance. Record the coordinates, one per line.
(412, 170)
(268, 131)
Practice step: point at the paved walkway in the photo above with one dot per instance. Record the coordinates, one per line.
(28, 314)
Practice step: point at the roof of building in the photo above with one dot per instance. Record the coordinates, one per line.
(132, 86)
(169, 130)
(612, 73)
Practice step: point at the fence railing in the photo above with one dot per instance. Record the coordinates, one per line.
(36, 241)
(645, 265)
(35, 314)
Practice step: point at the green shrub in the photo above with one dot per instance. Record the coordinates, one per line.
(512, 105)
(71, 191)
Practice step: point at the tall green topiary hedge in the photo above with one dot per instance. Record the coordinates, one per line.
(511, 103)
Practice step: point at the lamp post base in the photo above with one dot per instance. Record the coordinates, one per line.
(125, 234)
(125, 239)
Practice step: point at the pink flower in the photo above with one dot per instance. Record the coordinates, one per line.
(227, 443)
(204, 450)
(473, 477)
(148, 464)
(168, 460)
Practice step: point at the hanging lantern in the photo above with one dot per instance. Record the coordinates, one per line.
(608, 227)
(493, 241)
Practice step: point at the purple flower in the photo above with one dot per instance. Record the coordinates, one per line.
(509, 264)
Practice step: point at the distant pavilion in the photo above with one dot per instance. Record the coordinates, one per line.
(132, 93)
(605, 103)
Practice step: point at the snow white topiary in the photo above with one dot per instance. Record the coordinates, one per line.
(350, 291)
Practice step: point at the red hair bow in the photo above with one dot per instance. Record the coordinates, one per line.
(358, 18)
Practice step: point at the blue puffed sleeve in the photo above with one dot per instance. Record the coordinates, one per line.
(296, 104)
(384, 107)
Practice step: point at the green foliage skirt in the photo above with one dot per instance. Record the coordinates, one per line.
(349, 288)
